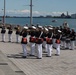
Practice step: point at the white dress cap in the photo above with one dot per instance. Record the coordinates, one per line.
(25, 27)
(59, 31)
(40, 27)
(50, 28)
(46, 29)
(33, 27)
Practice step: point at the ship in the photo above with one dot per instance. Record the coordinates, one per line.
(54, 20)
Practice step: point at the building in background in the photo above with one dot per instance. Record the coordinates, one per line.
(73, 15)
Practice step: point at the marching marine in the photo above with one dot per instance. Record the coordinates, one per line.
(32, 41)
(58, 42)
(39, 41)
(63, 38)
(3, 31)
(17, 28)
(49, 42)
(54, 37)
(68, 38)
(44, 45)
(72, 38)
(24, 41)
(10, 31)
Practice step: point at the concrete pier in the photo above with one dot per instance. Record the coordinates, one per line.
(12, 63)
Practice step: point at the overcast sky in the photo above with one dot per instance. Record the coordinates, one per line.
(40, 7)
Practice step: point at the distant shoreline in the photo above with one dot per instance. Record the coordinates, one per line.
(36, 17)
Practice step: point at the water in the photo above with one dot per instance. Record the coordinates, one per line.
(41, 21)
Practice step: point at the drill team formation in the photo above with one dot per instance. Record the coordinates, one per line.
(41, 37)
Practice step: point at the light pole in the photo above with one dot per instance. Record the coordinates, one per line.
(31, 21)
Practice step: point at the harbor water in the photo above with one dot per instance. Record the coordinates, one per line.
(41, 21)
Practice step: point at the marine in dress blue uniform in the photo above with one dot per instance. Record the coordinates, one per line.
(72, 38)
(17, 28)
(68, 38)
(3, 31)
(24, 41)
(10, 31)
(44, 45)
(32, 41)
(63, 38)
(58, 42)
(39, 41)
(49, 43)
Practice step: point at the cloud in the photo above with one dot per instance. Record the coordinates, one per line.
(26, 12)
(17, 11)
(52, 13)
(57, 13)
(36, 12)
(21, 12)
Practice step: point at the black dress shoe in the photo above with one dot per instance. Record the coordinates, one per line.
(3, 41)
(23, 56)
(71, 49)
(44, 51)
(9, 41)
(57, 54)
(39, 58)
(48, 56)
(32, 55)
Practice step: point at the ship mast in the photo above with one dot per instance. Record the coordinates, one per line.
(4, 14)
(31, 21)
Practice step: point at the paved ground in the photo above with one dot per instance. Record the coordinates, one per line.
(10, 58)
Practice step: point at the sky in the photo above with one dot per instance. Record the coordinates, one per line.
(40, 7)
